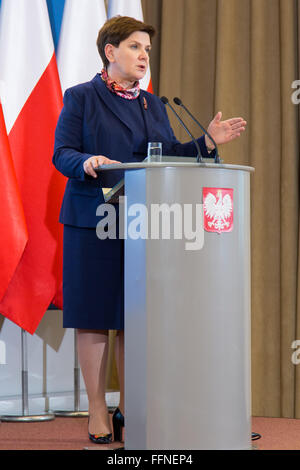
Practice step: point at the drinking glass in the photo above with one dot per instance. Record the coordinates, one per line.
(154, 152)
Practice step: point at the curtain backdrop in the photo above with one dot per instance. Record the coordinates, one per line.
(241, 57)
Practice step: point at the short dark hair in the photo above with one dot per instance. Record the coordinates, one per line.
(116, 30)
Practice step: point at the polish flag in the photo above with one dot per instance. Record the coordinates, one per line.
(13, 230)
(32, 100)
(78, 59)
(134, 9)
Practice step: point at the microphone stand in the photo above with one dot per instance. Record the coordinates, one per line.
(180, 103)
(165, 100)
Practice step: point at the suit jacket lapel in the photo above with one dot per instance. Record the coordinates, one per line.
(108, 97)
(146, 113)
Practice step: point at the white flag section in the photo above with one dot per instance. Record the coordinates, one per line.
(78, 59)
(21, 46)
(130, 8)
(125, 8)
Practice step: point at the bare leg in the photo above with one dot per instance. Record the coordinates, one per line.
(92, 354)
(119, 352)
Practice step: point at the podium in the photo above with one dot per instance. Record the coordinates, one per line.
(187, 309)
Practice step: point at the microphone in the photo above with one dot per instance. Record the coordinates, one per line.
(165, 100)
(180, 103)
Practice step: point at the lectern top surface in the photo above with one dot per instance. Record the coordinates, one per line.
(165, 164)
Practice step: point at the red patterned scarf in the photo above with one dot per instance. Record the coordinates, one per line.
(113, 86)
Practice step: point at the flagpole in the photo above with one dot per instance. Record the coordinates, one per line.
(25, 416)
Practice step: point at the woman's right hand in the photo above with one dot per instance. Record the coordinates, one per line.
(94, 162)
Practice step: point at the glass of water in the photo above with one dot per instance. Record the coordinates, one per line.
(154, 152)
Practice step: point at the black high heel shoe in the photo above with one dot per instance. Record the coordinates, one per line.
(101, 438)
(118, 423)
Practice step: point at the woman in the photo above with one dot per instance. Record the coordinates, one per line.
(108, 119)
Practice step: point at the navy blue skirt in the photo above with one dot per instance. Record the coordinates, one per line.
(93, 280)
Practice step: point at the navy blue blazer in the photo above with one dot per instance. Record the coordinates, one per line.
(92, 123)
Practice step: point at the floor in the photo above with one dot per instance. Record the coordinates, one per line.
(71, 434)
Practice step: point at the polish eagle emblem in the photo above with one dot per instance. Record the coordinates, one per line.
(218, 209)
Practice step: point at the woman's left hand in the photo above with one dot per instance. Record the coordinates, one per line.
(224, 131)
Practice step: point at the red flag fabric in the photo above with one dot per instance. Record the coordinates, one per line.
(31, 105)
(13, 230)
